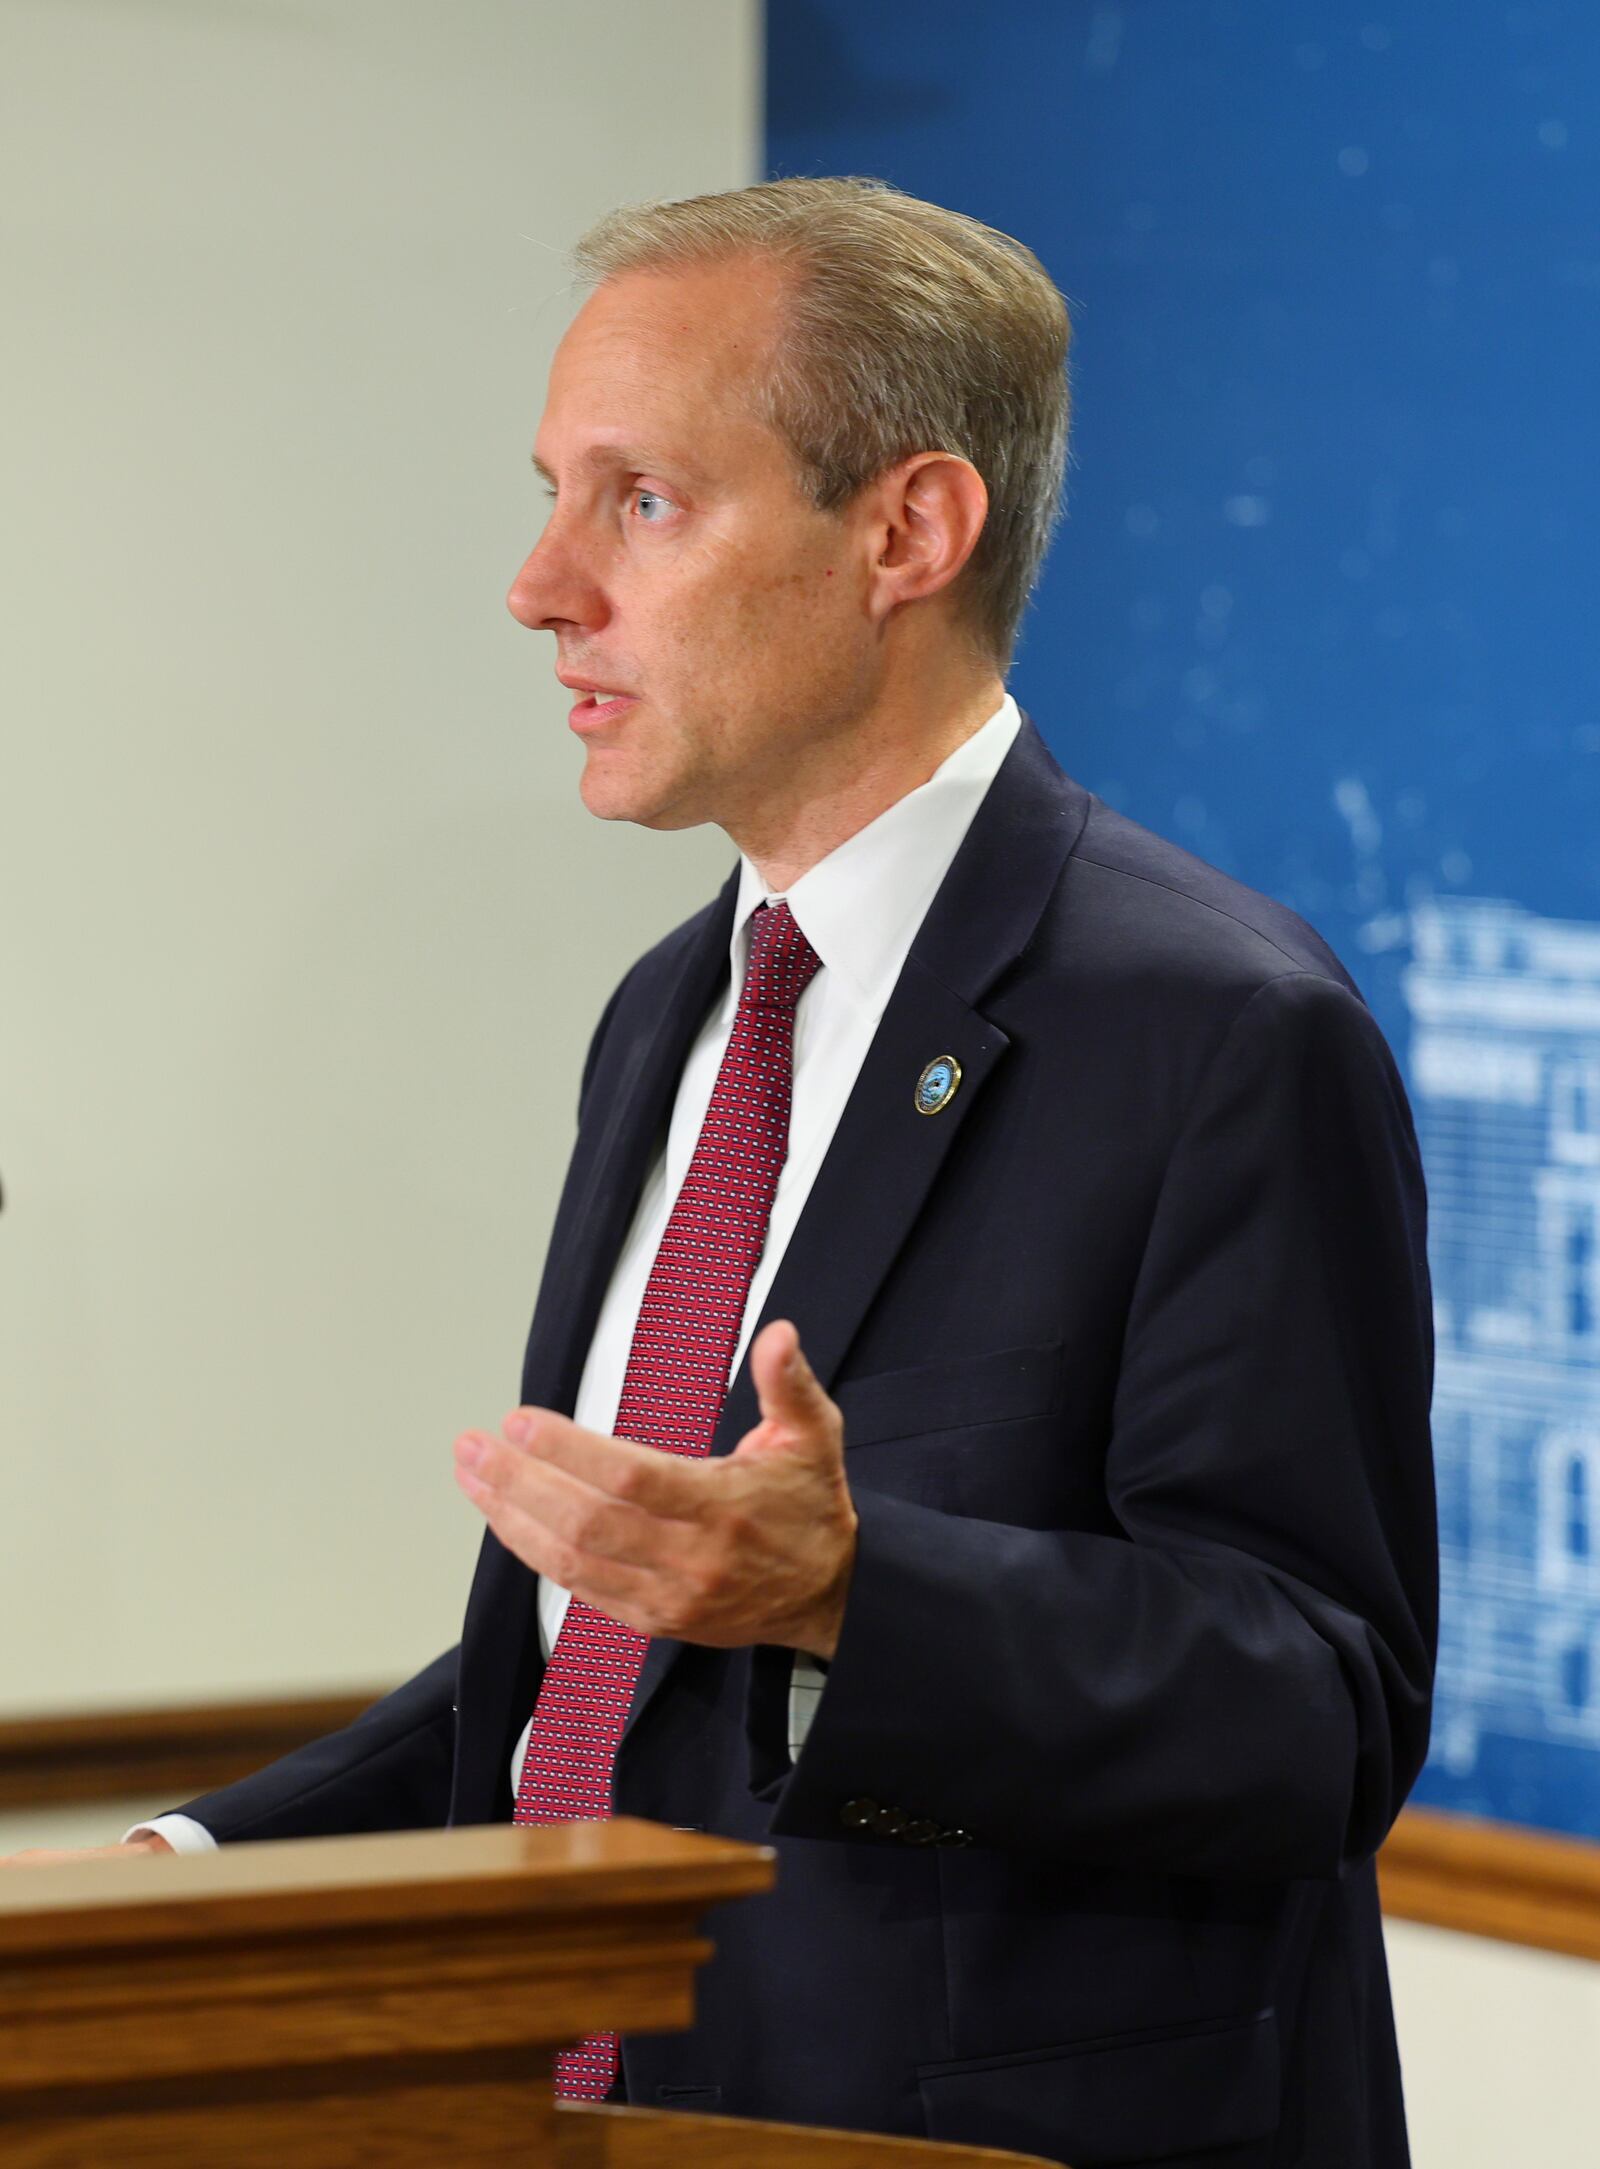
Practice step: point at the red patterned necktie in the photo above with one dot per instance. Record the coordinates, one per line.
(672, 1390)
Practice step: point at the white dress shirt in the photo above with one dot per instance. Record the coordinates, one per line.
(860, 908)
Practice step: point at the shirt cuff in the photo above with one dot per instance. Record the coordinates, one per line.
(181, 1832)
(807, 1677)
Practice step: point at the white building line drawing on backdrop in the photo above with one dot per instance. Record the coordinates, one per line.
(1505, 1079)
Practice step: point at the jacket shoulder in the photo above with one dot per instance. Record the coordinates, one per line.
(1158, 910)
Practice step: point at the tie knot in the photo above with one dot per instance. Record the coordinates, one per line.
(782, 961)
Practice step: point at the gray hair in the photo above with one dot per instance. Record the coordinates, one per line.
(908, 328)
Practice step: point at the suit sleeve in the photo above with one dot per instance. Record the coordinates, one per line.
(1237, 1682)
(390, 1769)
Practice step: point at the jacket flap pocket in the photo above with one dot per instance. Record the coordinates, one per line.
(1138, 2098)
(1004, 1385)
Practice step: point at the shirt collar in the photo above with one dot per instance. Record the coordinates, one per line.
(860, 907)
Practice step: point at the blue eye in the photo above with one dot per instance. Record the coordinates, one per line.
(653, 497)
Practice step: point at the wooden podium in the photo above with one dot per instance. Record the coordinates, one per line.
(326, 2003)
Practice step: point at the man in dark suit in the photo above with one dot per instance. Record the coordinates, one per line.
(1058, 1590)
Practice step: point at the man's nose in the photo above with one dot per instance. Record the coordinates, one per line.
(551, 589)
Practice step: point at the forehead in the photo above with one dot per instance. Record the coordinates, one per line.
(656, 354)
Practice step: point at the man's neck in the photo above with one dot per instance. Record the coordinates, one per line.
(834, 797)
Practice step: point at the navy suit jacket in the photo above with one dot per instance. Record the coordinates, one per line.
(1133, 1347)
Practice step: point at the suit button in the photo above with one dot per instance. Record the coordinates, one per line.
(956, 1837)
(921, 1832)
(890, 1821)
(859, 1814)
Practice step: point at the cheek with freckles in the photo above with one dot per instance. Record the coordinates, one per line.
(792, 627)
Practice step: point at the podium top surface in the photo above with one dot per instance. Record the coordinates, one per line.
(537, 1872)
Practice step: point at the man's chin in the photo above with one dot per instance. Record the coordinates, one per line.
(610, 794)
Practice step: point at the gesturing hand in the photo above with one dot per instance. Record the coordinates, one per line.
(752, 1546)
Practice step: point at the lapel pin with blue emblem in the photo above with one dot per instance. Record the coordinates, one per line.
(936, 1087)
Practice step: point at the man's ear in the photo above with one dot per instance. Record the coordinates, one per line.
(930, 513)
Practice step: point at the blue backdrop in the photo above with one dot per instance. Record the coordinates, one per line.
(1319, 612)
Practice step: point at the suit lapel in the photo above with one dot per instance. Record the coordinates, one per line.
(885, 1156)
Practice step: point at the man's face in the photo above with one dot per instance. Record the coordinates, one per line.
(682, 567)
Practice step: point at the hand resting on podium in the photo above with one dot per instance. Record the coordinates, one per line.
(44, 1856)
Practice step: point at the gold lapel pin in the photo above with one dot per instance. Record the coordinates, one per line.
(936, 1087)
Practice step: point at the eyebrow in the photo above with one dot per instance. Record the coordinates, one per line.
(601, 457)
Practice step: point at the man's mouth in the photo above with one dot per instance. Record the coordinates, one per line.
(600, 706)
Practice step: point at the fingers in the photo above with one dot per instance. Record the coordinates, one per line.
(609, 1584)
(608, 1551)
(641, 1476)
(516, 1492)
(711, 1551)
(787, 1388)
(572, 1502)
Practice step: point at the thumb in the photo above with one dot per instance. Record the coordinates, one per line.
(786, 1386)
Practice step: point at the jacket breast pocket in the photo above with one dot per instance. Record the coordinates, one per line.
(1167, 2095)
(1002, 1385)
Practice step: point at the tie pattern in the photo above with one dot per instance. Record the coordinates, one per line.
(673, 1390)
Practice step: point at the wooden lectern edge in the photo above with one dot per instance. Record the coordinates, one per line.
(485, 1871)
(374, 1998)
(1474, 1877)
(593, 2135)
(221, 1984)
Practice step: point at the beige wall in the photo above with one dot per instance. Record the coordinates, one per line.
(302, 926)
(1500, 2050)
